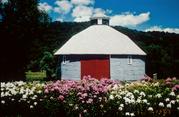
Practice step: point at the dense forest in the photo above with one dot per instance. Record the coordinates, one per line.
(29, 39)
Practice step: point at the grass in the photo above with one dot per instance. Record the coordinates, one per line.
(33, 76)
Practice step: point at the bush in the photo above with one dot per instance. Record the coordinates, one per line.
(90, 97)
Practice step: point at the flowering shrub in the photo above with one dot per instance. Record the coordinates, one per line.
(90, 97)
(18, 96)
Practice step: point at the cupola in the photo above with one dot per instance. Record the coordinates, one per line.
(99, 20)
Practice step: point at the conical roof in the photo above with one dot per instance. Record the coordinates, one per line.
(100, 39)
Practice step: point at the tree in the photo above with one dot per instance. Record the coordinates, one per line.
(21, 24)
(47, 63)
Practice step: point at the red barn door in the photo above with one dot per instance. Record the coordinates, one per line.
(96, 66)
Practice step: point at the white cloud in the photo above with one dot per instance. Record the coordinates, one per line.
(129, 19)
(82, 13)
(99, 12)
(64, 7)
(4, 1)
(59, 19)
(108, 11)
(158, 28)
(82, 2)
(82, 19)
(44, 7)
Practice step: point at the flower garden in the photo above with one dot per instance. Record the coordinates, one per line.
(90, 97)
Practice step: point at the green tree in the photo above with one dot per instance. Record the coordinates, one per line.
(47, 63)
(21, 24)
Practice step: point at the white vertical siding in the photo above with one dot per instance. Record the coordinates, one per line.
(70, 68)
(121, 70)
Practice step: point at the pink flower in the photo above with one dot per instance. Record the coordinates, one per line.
(89, 101)
(175, 88)
(168, 83)
(168, 79)
(84, 95)
(46, 91)
(174, 78)
(61, 97)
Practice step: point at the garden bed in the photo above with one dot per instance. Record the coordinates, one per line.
(90, 97)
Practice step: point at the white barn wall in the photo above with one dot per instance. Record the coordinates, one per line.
(71, 69)
(121, 70)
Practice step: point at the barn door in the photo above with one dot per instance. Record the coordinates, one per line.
(96, 66)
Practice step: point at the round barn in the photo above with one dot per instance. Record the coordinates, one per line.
(101, 52)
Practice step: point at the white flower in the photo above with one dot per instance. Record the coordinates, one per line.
(177, 97)
(132, 114)
(177, 108)
(150, 96)
(115, 87)
(31, 106)
(172, 93)
(138, 100)
(101, 106)
(3, 84)
(2, 101)
(161, 104)
(167, 99)
(136, 91)
(2, 94)
(169, 105)
(158, 95)
(7, 94)
(120, 108)
(130, 95)
(70, 104)
(150, 109)
(121, 105)
(156, 84)
(172, 101)
(35, 103)
(118, 96)
(76, 107)
(144, 100)
(24, 96)
(12, 99)
(127, 113)
(34, 97)
(127, 100)
(111, 97)
(142, 94)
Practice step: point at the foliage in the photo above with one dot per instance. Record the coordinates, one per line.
(47, 63)
(35, 76)
(90, 97)
(21, 25)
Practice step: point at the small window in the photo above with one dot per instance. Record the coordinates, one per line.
(64, 59)
(105, 21)
(129, 60)
(94, 22)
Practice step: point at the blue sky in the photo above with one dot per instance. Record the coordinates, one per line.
(145, 15)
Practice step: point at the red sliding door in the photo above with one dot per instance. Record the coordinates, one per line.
(96, 66)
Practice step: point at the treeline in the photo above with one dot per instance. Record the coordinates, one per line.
(29, 38)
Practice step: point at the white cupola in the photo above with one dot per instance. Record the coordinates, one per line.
(99, 20)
